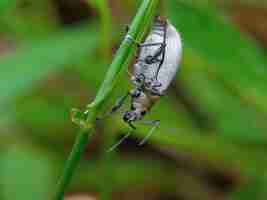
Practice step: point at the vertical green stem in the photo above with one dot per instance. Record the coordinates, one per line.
(87, 119)
(72, 162)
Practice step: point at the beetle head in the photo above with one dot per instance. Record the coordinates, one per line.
(130, 116)
(133, 115)
(160, 20)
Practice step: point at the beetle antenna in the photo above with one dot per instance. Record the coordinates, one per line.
(156, 124)
(119, 142)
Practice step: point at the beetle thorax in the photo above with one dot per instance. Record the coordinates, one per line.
(141, 102)
(140, 105)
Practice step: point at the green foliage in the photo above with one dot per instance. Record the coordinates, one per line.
(215, 114)
(27, 19)
(231, 72)
(22, 169)
(33, 62)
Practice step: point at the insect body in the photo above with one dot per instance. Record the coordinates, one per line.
(156, 67)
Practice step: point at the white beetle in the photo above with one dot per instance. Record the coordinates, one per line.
(157, 63)
(156, 67)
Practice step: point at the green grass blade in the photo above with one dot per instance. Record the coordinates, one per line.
(229, 69)
(234, 57)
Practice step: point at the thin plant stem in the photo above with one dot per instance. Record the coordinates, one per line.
(105, 16)
(87, 119)
(72, 162)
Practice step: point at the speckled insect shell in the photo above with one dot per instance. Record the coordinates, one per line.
(171, 57)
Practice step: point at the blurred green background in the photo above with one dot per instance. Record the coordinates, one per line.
(212, 142)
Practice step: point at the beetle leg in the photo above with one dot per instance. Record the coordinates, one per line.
(159, 52)
(122, 139)
(119, 142)
(132, 126)
(151, 122)
(154, 58)
(149, 44)
(155, 124)
(120, 101)
(127, 28)
(140, 79)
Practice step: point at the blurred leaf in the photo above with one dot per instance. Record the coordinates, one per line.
(25, 174)
(33, 62)
(138, 168)
(46, 128)
(212, 149)
(236, 119)
(229, 70)
(144, 173)
(28, 19)
(6, 4)
(255, 188)
(104, 11)
(233, 57)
